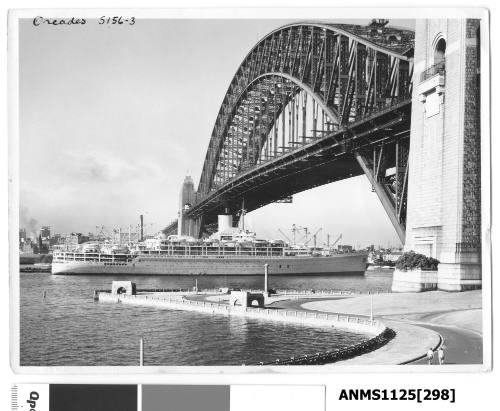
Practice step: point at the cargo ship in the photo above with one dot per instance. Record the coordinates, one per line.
(229, 251)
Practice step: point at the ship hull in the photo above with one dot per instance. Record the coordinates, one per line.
(337, 264)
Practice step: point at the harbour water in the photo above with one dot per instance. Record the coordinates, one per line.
(68, 328)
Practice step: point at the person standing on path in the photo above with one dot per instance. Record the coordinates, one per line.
(441, 356)
(430, 356)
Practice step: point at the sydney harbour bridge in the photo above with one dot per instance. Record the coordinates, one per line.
(310, 104)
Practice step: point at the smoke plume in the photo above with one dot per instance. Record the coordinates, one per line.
(27, 222)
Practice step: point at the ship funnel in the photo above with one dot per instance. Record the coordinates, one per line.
(225, 222)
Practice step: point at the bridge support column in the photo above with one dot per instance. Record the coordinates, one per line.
(384, 197)
(444, 186)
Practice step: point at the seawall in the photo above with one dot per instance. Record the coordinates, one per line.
(341, 321)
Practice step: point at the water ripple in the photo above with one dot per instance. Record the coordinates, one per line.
(69, 328)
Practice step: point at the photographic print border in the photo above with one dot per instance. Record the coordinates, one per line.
(278, 13)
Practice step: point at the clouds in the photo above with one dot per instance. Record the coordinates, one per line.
(71, 167)
(101, 167)
(81, 189)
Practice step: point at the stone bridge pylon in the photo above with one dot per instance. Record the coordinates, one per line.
(444, 186)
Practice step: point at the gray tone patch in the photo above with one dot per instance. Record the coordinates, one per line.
(185, 397)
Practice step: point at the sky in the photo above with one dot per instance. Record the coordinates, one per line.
(113, 118)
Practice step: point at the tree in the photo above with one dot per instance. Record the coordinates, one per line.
(412, 260)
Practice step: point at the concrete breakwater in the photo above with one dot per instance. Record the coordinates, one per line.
(378, 332)
(177, 302)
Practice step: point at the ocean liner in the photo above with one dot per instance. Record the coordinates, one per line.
(230, 251)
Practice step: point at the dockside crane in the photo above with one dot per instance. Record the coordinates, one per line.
(334, 243)
(284, 235)
(296, 229)
(103, 233)
(314, 237)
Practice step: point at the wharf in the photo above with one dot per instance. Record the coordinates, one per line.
(35, 268)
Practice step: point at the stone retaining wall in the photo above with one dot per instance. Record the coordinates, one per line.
(414, 281)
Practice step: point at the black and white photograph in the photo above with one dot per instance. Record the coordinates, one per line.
(253, 193)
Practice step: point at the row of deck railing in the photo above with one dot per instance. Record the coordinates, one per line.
(219, 253)
(180, 252)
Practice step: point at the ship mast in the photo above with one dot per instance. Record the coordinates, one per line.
(242, 215)
(294, 230)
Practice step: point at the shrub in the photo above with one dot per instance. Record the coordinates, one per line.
(411, 260)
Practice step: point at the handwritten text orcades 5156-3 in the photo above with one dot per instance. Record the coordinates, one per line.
(71, 21)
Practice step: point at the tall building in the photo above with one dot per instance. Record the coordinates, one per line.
(22, 235)
(45, 233)
(444, 186)
(187, 199)
(74, 239)
(55, 239)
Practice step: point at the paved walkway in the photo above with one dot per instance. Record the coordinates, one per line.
(404, 306)
(462, 344)
(455, 316)
(410, 342)
(421, 320)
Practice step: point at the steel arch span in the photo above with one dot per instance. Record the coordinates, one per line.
(311, 103)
